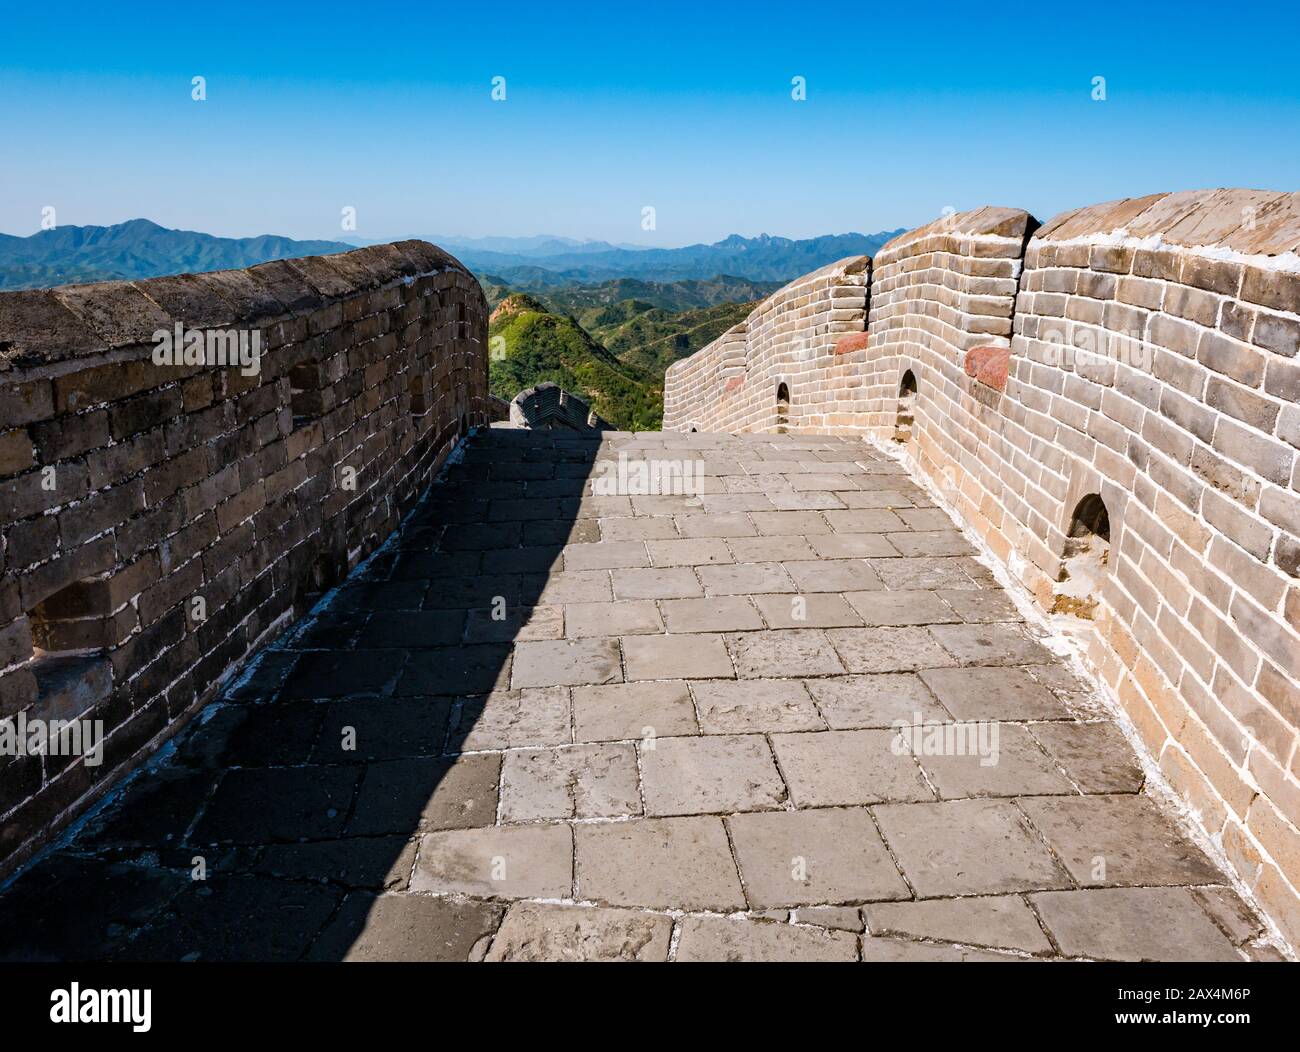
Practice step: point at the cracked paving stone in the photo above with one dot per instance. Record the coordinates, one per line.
(993, 694)
(980, 606)
(566, 662)
(574, 781)
(534, 861)
(967, 847)
(402, 927)
(686, 656)
(850, 702)
(887, 649)
(709, 774)
(1115, 840)
(804, 858)
(726, 939)
(740, 706)
(847, 767)
(885, 949)
(779, 654)
(931, 542)
(1132, 924)
(998, 922)
(535, 931)
(622, 711)
(510, 719)
(658, 863)
(990, 644)
(924, 575)
(402, 796)
(1096, 756)
(987, 760)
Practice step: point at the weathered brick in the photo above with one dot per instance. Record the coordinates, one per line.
(16, 452)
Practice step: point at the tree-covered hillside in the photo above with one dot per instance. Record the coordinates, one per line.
(528, 346)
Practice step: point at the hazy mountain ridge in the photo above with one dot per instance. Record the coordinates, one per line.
(763, 258)
(135, 249)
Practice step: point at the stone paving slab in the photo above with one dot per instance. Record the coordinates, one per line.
(997, 921)
(719, 939)
(537, 932)
(712, 774)
(821, 856)
(659, 863)
(546, 724)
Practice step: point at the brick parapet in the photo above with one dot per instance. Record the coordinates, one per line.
(161, 521)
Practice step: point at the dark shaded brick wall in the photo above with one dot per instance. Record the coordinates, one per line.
(160, 522)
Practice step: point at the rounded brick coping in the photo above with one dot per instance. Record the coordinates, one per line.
(1248, 222)
(847, 265)
(990, 221)
(46, 327)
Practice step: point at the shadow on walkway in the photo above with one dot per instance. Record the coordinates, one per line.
(271, 824)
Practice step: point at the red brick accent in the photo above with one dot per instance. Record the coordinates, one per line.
(989, 365)
(855, 341)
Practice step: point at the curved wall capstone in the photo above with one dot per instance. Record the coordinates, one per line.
(164, 516)
(1145, 352)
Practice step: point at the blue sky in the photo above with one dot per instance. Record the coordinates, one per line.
(685, 107)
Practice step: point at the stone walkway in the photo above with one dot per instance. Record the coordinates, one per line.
(543, 724)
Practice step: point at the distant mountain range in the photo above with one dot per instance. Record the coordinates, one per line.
(762, 258)
(141, 249)
(136, 249)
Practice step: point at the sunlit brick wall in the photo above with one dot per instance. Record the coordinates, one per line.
(160, 521)
(790, 338)
(1144, 351)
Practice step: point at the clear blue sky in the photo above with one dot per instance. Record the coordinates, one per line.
(911, 107)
